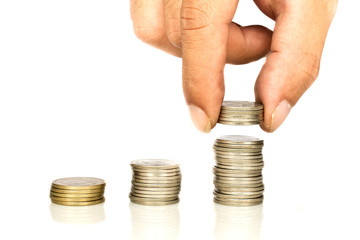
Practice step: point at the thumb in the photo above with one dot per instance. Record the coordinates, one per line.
(294, 60)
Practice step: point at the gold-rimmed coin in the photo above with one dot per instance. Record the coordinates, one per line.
(78, 203)
(75, 199)
(65, 195)
(78, 183)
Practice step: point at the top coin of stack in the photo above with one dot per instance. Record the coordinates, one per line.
(238, 170)
(155, 182)
(77, 191)
(241, 113)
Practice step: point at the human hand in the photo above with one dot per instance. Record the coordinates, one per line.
(203, 34)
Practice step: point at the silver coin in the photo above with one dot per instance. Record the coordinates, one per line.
(154, 163)
(238, 203)
(238, 179)
(241, 139)
(166, 178)
(154, 199)
(245, 105)
(239, 195)
(148, 189)
(158, 203)
(239, 123)
(228, 190)
(238, 146)
(239, 119)
(221, 150)
(152, 174)
(155, 185)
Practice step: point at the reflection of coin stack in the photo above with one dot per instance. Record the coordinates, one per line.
(154, 222)
(155, 182)
(78, 214)
(233, 223)
(238, 171)
(77, 191)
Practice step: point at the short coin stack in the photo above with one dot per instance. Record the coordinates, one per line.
(241, 113)
(238, 170)
(77, 191)
(155, 182)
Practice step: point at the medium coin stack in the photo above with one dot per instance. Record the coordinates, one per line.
(77, 191)
(241, 113)
(155, 182)
(238, 170)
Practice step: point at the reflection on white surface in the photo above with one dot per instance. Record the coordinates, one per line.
(238, 222)
(78, 214)
(154, 222)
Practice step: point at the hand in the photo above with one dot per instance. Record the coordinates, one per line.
(203, 34)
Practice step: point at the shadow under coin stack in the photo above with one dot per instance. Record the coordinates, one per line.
(155, 182)
(77, 191)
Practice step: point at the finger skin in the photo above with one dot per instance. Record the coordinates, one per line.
(149, 24)
(294, 60)
(204, 33)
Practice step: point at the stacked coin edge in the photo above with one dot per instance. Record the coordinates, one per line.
(238, 171)
(241, 113)
(77, 191)
(155, 182)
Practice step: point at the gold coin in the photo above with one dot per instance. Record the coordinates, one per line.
(78, 203)
(75, 199)
(78, 183)
(65, 195)
(85, 191)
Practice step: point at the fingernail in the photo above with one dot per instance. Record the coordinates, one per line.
(200, 119)
(279, 114)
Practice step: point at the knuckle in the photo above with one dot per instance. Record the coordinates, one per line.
(192, 18)
(152, 35)
(174, 37)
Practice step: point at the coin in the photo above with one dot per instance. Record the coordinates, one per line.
(78, 183)
(239, 139)
(71, 191)
(238, 170)
(243, 105)
(155, 182)
(64, 195)
(238, 203)
(159, 203)
(154, 163)
(78, 203)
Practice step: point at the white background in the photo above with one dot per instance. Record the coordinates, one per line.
(81, 96)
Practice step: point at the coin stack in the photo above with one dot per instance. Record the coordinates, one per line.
(241, 113)
(77, 191)
(238, 170)
(155, 182)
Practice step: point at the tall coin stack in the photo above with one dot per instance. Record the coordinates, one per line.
(238, 170)
(77, 191)
(155, 182)
(241, 113)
